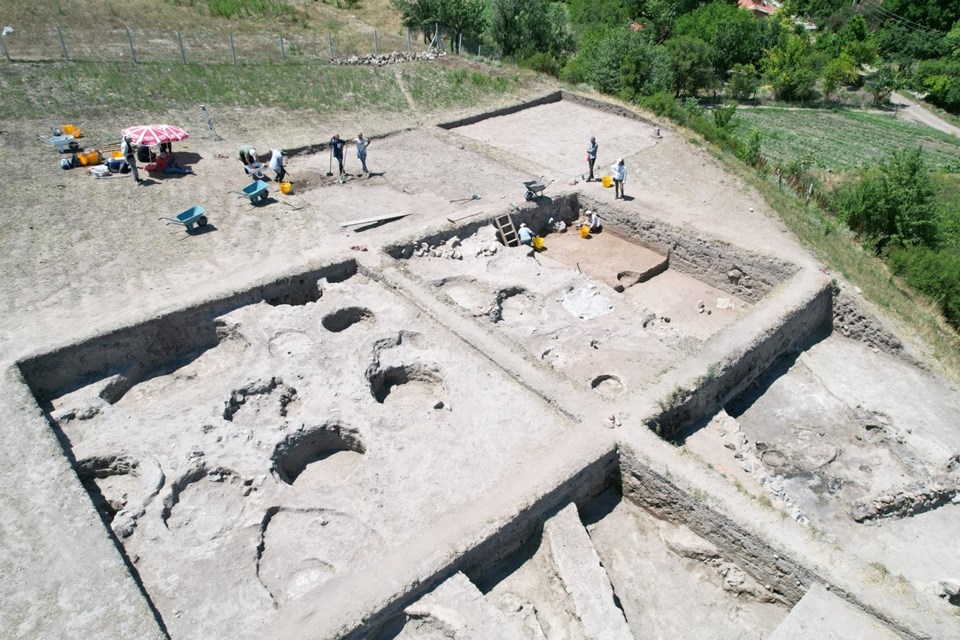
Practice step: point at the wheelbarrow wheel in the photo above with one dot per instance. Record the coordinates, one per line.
(202, 221)
(529, 196)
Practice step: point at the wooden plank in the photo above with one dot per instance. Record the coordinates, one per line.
(463, 217)
(389, 216)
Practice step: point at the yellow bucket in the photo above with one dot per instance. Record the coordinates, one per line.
(89, 158)
(70, 130)
(116, 154)
(286, 187)
(584, 231)
(607, 181)
(537, 243)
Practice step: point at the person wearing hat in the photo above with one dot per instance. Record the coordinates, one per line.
(129, 151)
(619, 177)
(251, 165)
(591, 220)
(525, 234)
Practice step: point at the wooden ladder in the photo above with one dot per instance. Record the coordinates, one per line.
(508, 233)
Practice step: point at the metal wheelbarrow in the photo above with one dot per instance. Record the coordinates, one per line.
(193, 215)
(256, 191)
(535, 188)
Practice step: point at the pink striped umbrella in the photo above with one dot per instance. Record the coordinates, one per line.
(153, 134)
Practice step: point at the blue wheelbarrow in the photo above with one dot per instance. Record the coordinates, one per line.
(256, 191)
(195, 215)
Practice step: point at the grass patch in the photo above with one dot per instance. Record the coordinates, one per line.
(842, 139)
(86, 89)
(834, 245)
(440, 86)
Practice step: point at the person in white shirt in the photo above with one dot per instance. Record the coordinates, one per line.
(592, 220)
(276, 164)
(525, 234)
(362, 144)
(619, 177)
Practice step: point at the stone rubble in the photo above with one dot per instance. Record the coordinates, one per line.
(394, 57)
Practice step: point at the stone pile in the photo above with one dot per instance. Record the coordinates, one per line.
(394, 57)
(451, 249)
(909, 500)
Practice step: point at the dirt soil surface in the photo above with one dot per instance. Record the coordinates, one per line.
(322, 460)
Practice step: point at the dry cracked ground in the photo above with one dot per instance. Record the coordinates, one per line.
(353, 411)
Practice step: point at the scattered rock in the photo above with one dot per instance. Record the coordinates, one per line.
(394, 57)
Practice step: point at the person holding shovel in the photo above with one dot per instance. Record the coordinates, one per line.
(276, 164)
(336, 148)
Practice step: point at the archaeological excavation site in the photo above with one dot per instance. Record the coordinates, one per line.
(677, 426)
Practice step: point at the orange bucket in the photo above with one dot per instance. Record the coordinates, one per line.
(70, 130)
(584, 231)
(607, 181)
(89, 158)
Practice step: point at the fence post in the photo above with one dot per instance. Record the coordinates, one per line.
(282, 54)
(331, 45)
(63, 44)
(3, 43)
(133, 52)
(460, 45)
(479, 48)
(376, 43)
(233, 50)
(409, 42)
(183, 54)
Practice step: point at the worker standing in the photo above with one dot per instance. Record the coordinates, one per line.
(591, 156)
(362, 144)
(129, 151)
(619, 177)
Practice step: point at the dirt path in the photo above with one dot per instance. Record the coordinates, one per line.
(910, 110)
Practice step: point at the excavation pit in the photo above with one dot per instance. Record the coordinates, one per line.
(642, 294)
(295, 453)
(343, 319)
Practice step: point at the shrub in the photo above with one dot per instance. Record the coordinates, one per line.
(933, 273)
(744, 81)
(893, 205)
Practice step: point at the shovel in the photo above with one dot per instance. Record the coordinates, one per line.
(470, 199)
(330, 164)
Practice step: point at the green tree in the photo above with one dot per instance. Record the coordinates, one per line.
(881, 83)
(743, 82)
(938, 15)
(789, 66)
(691, 60)
(840, 71)
(625, 63)
(941, 80)
(523, 28)
(458, 16)
(733, 33)
(892, 205)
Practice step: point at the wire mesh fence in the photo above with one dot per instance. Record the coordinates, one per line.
(221, 47)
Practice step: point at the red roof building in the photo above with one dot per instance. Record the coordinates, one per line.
(759, 8)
